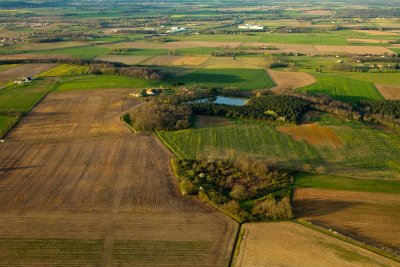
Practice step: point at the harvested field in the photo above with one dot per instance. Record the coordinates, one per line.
(389, 91)
(285, 48)
(290, 80)
(374, 50)
(27, 56)
(291, 244)
(261, 62)
(176, 60)
(71, 164)
(47, 46)
(313, 134)
(367, 41)
(129, 60)
(369, 217)
(319, 12)
(174, 45)
(378, 33)
(59, 116)
(24, 70)
(227, 63)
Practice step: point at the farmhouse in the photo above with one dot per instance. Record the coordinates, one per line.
(27, 79)
(148, 92)
(177, 30)
(251, 27)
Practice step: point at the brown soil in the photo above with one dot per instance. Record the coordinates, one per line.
(313, 134)
(21, 71)
(368, 217)
(391, 92)
(290, 80)
(291, 244)
(71, 170)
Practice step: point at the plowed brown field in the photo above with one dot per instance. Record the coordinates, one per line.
(290, 80)
(313, 134)
(369, 217)
(291, 244)
(78, 189)
(21, 71)
(391, 92)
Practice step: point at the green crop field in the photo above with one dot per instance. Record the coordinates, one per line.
(323, 181)
(21, 98)
(365, 152)
(103, 82)
(379, 78)
(243, 79)
(6, 122)
(45, 252)
(396, 50)
(304, 38)
(342, 88)
(65, 70)
(86, 52)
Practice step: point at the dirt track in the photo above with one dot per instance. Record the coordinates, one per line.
(71, 171)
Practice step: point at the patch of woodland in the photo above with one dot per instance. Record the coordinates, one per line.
(246, 190)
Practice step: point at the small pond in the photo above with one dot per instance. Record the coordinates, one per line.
(234, 101)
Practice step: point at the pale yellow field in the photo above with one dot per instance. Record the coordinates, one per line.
(375, 50)
(370, 41)
(176, 60)
(228, 62)
(291, 244)
(373, 32)
(290, 80)
(322, 12)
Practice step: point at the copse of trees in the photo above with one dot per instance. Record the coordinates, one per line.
(227, 185)
(154, 115)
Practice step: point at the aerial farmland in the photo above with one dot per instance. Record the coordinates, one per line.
(199, 133)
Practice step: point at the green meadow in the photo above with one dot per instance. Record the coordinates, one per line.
(342, 88)
(90, 82)
(243, 79)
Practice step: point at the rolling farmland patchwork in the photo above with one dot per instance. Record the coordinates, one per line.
(199, 133)
(363, 152)
(118, 218)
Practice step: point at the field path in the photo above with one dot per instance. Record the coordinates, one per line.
(78, 188)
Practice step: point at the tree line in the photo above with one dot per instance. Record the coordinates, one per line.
(268, 107)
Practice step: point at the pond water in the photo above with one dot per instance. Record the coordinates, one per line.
(234, 101)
